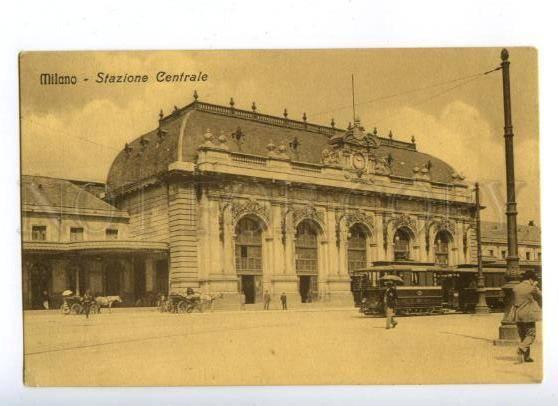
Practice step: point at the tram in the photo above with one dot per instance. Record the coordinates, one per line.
(427, 288)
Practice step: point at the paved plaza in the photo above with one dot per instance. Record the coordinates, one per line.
(313, 346)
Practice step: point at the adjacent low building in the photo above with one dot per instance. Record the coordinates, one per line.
(72, 239)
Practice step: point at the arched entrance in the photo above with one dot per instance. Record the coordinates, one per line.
(306, 254)
(402, 245)
(248, 257)
(356, 247)
(40, 281)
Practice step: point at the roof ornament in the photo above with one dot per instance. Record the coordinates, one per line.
(127, 148)
(349, 126)
(143, 142)
(161, 115)
(304, 117)
(231, 103)
(254, 106)
(390, 135)
(175, 109)
(375, 131)
(195, 95)
(413, 139)
(332, 122)
(285, 113)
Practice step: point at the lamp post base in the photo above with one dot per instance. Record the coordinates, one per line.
(507, 335)
(481, 306)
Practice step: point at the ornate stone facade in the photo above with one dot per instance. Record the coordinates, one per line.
(274, 204)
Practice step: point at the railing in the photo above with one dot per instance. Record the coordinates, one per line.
(252, 115)
(307, 265)
(303, 167)
(248, 159)
(248, 264)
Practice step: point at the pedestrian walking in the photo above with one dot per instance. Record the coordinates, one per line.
(526, 311)
(46, 300)
(267, 300)
(284, 301)
(390, 303)
(87, 302)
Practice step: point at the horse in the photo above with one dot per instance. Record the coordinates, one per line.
(207, 299)
(107, 301)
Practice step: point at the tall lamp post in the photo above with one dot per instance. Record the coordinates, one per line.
(481, 306)
(508, 329)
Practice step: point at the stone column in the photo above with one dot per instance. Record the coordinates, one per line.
(379, 238)
(214, 252)
(149, 275)
(183, 238)
(423, 255)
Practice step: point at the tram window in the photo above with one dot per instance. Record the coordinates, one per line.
(415, 278)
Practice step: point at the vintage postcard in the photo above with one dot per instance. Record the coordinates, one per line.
(285, 217)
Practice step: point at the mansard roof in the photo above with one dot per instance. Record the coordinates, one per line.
(43, 194)
(150, 154)
(497, 232)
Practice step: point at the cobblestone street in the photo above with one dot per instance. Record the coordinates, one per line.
(144, 347)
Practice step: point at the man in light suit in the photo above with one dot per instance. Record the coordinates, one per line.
(527, 297)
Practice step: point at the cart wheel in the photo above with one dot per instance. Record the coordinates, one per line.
(75, 309)
(65, 309)
(95, 309)
(190, 308)
(182, 307)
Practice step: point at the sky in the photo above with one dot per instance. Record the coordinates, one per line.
(438, 96)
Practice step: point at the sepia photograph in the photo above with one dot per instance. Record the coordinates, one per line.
(281, 217)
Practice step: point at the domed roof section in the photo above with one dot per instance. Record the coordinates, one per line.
(250, 132)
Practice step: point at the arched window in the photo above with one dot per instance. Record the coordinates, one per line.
(248, 258)
(402, 245)
(306, 247)
(441, 248)
(248, 247)
(356, 247)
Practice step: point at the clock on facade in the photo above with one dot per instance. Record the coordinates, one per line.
(359, 162)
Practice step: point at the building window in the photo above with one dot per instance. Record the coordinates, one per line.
(528, 256)
(491, 253)
(402, 246)
(111, 234)
(441, 248)
(540, 256)
(306, 248)
(248, 246)
(76, 234)
(356, 248)
(38, 233)
(503, 254)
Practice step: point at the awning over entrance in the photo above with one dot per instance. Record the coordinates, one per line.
(95, 247)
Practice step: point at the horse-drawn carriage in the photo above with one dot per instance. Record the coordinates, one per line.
(177, 303)
(74, 304)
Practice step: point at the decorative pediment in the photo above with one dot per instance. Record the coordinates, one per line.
(404, 220)
(247, 207)
(308, 212)
(356, 217)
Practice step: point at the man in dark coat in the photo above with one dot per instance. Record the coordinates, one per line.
(267, 300)
(390, 303)
(526, 312)
(284, 300)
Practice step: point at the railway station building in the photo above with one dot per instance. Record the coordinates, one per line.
(234, 201)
